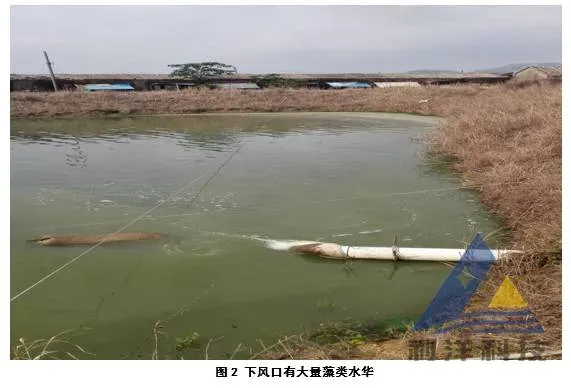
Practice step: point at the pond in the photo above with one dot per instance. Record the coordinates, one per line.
(220, 186)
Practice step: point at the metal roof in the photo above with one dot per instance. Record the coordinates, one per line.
(348, 85)
(109, 87)
(550, 71)
(396, 84)
(237, 86)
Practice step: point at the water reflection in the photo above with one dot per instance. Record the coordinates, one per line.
(219, 141)
(192, 129)
(213, 141)
(76, 158)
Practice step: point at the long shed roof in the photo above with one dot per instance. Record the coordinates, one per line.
(109, 87)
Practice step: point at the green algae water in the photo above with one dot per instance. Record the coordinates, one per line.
(355, 179)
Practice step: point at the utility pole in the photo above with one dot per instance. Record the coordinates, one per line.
(51, 71)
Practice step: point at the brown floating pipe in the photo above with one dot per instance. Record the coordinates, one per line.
(91, 239)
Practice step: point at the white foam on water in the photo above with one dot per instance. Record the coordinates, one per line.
(285, 245)
(371, 231)
(234, 235)
(277, 245)
(172, 250)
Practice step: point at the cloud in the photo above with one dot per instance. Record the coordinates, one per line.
(132, 39)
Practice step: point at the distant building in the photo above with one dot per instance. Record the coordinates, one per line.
(397, 84)
(237, 86)
(140, 82)
(347, 85)
(108, 87)
(171, 85)
(534, 73)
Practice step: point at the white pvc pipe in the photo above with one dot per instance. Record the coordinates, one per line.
(412, 254)
(336, 251)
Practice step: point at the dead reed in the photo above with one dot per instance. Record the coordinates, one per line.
(58, 347)
(427, 100)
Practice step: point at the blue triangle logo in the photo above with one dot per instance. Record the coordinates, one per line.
(456, 291)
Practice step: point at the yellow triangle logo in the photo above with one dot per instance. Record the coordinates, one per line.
(507, 297)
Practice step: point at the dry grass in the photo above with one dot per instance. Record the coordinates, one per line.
(504, 139)
(58, 347)
(439, 100)
(508, 142)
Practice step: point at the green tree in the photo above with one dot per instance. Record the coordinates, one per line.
(201, 70)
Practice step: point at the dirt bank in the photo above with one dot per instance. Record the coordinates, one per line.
(428, 100)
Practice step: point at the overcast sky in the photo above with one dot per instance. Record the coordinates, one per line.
(274, 39)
